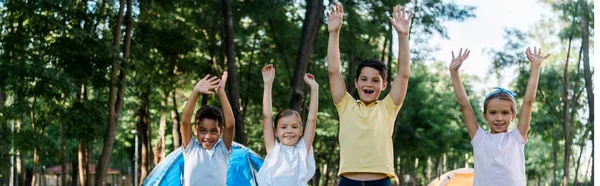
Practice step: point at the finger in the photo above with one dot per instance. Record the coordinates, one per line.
(205, 77)
(453, 55)
(212, 78)
(340, 8)
(215, 82)
(527, 51)
(546, 56)
(332, 9)
(402, 13)
(460, 52)
(467, 52)
(535, 50)
(540, 51)
(411, 16)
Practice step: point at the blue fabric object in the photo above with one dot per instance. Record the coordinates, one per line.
(243, 166)
(501, 90)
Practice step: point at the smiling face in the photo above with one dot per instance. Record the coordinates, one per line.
(208, 132)
(288, 127)
(499, 114)
(369, 85)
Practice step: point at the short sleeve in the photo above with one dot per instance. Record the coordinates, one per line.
(389, 104)
(221, 146)
(346, 100)
(191, 145)
(517, 136)
(479, 135)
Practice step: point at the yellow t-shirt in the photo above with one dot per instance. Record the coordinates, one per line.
(366, 135)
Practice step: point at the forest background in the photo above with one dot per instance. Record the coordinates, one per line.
(78, 76)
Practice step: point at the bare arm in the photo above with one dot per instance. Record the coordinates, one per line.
(336, 81)
(402, 25)
(311, 120)
(536, 60)
(202, 87)
(229, 128)
(268, 73)
(461, 94)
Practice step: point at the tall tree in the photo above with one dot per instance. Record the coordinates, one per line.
(117, 89)
(232, 81)
(312, 20)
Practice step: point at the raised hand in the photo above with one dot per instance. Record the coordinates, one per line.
(335, 17)
(206, 84)
(309, 79)
(535, 57)
(221, 87)
(268, 73)
(400, 21)
(458, 60)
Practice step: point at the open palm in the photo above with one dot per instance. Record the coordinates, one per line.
(535, 57)
(400, 21)
(335, 18)
(458, 60)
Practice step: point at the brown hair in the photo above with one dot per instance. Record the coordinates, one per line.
(286, 112)
(502, 96)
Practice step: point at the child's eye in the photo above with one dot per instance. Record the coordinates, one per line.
(203, 131)
(213, 132)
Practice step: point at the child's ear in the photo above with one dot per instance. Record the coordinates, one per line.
(384, 85)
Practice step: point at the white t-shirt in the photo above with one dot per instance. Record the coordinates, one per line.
(499, 158)
(204, 168)
(287, 165)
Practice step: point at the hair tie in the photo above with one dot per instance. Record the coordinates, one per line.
(501, 90)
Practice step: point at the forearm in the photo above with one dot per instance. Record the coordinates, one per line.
(459, 90)
(188, 112)
(333, 53)
(314, 104)
(532, 85)
(403, 56)
(267, 108)
(227, 110)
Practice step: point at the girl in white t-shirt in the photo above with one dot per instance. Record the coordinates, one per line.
(290, 159)
(499, 154)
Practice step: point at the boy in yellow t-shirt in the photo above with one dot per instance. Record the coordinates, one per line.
(366, 125)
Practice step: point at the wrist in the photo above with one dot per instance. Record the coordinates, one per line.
(402, 36)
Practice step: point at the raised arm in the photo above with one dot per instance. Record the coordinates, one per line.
(401, 23)
(229, 128)
(202, 87)
(461, 94)
(311, 120)
(536, 60)
(335, 18)
(268, 73)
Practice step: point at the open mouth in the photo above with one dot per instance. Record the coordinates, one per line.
(368, 91)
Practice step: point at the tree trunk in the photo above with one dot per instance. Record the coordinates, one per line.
(312, 20)
(117, 90)
(63, 160)
(232, 84)
(74, 172)
(586, 59)
(586, 66)
(175, 122)
(36, 148)
(83, 157)
(566, 127)
(582, 144)
(144, 132)
(555, 158)
(159, 149)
